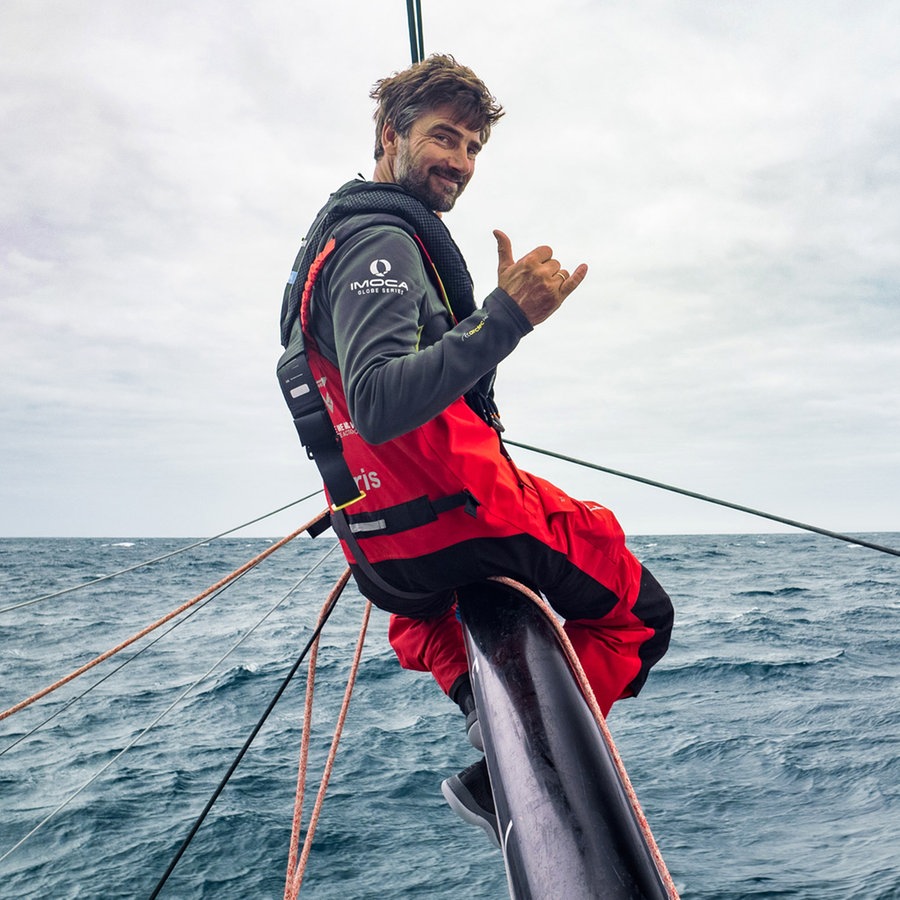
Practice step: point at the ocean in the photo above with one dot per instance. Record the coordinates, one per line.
(765, 748)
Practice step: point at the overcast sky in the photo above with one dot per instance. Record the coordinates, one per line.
(730, 171)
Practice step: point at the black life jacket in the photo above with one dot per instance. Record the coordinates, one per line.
(360, 204)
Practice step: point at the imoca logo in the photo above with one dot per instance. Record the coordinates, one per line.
(378, 284)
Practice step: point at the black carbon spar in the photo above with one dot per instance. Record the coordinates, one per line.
(568, 827)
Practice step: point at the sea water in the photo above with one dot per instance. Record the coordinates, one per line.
(765, 748)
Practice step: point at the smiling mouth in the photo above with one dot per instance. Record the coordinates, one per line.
(449, 180)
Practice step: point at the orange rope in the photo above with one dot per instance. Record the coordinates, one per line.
(296, 870)
(145, 631)
(588, 692)
(307, 726)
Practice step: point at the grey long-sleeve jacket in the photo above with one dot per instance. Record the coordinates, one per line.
(378, 315)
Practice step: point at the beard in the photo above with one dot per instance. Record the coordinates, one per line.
(438, 196)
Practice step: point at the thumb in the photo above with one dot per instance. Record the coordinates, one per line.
(504, 251)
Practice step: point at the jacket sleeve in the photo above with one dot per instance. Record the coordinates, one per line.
(401, 360)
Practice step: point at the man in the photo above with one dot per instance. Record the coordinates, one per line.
(382, 302)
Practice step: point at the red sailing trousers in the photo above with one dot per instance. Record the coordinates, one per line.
(618, 630)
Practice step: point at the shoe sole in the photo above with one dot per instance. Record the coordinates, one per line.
(464, 805)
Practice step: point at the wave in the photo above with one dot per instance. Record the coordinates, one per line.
(750, 667)
(764, 747)
(788, 591)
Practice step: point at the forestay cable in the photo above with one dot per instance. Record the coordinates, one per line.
(416, 40)
(746, 509)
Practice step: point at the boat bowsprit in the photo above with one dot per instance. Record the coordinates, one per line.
(569, 822)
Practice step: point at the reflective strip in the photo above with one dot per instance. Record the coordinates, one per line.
(377, 525)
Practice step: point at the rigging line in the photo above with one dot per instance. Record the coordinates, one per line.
(165, 556)
(159, 718)
(162, 621)
(295, 873)
(330, 605)
(746, 509)
(131, 658)
(118, 668)
(416, 40)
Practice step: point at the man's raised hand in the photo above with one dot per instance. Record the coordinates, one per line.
(537, 282)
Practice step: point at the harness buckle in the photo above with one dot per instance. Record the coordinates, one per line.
(341, 506)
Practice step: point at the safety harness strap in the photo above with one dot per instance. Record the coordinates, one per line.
(406, 516)
(342, 530)
(316, 431)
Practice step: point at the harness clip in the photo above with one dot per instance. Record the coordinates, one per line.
(348, 503)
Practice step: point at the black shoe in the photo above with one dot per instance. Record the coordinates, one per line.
(469, 795)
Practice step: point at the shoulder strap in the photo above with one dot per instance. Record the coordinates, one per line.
(311, 419)
(313, 424)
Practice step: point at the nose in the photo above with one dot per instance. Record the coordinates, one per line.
(462, 162)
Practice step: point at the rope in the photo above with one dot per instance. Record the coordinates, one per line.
(159, 718)
(677, 490)
(330, 603)
(165, 556)
(159, 622)
(304, 755)
(588, 692)
(71, 702)
(296, 870)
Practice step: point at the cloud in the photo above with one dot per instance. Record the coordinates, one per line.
(730, 173)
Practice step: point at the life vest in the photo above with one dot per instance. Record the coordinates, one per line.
(361, 204)
(437, 485)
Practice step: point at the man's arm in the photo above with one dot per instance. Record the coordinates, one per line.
(400, 360)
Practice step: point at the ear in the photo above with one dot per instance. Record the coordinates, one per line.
(389, 139)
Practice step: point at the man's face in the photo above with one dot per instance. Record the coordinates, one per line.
(437, 160)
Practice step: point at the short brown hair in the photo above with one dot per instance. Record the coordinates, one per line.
(437, 81)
